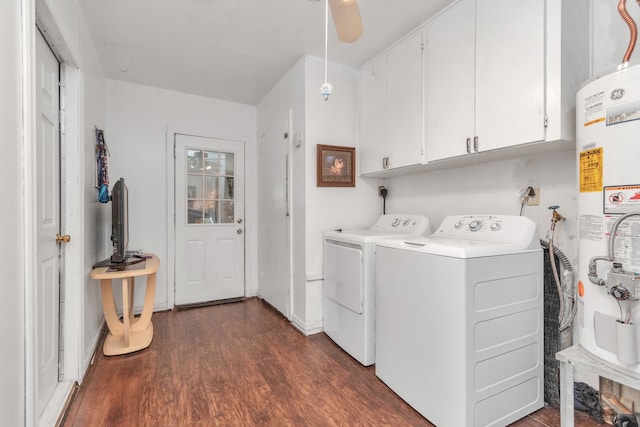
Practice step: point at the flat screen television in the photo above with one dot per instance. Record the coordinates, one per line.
(119, 221)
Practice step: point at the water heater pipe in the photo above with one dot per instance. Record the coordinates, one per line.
(593, 274)
(633, 29)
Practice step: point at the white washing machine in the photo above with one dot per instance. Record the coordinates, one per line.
(459, 320)
(348, 281)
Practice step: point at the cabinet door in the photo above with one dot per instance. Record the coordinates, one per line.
(373, 116)
(404, 102)
(510, 67)
(449, 81)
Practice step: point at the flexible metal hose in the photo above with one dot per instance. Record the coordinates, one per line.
(632, 28)
(555, 252)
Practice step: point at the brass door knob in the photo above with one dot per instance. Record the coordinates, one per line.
(59, 239)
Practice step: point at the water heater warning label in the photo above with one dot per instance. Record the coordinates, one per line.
(621, 199)
(594, 108)
(627, 244)
(591, 170)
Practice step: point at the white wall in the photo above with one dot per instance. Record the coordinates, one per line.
(610, 35)
(136, 132)
(12, 262)
(286, 97)
(332, 122)
(491, 188)
(314, 209)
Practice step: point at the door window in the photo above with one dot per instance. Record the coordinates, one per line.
(210, 179)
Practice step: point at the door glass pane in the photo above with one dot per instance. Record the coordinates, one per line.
(227, 212)
(194, 212)
(211, 212)
(192, 161)
(194, 186)
(211, 164)
(210, 187)
(227, 188)
(226, 164)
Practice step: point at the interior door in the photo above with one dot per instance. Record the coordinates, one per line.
(209, 219)
(48, 220)
(275, 259)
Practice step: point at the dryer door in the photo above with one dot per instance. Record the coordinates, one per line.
(344, 274)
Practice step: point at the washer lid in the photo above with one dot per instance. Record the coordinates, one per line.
(472, 236)
(454, 248)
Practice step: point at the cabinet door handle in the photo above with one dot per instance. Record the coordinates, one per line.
(475, 144)
(468, 145)
(385, 163)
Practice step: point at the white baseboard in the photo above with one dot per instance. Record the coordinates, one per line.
(307, 328)
(93, 347)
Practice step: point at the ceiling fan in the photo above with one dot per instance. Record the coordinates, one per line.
(346, 17)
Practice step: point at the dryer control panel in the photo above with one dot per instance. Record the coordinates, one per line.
(401, 223)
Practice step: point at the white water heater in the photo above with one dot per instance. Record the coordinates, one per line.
(608, 149)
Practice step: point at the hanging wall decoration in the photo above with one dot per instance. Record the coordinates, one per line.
(336, 166)
(102, 175)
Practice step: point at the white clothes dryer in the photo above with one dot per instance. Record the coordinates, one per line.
(348, 304)
(459, 320)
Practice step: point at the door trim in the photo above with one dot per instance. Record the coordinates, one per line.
(170, 185)
(74, 364)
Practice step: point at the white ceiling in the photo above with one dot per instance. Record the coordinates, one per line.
(235, 50)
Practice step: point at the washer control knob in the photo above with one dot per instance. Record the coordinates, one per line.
(457, 225)
(495, 226)
(475, 225)
(396, 222)
(406, 222)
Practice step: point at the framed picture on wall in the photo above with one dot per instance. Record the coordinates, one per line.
(336, 166)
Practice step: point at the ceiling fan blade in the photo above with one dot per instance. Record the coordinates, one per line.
(346, 17)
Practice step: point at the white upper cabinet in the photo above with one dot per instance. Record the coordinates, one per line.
(391, 108)
(450, 81)
(484, 73)
(373, 115)
(499, 75)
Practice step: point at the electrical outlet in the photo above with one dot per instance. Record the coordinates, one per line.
(534, 200)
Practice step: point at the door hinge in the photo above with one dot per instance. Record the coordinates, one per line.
(546, 121)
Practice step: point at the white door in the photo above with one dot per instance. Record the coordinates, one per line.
(209, 219)
(48, 219)
(275, 259)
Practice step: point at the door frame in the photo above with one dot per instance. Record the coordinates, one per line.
(72, 215)
(171, 230)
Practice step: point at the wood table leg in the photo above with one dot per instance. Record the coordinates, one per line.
(147, 310)
(109, 307)
(127, 308)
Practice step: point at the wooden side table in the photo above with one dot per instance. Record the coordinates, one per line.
(131, 334)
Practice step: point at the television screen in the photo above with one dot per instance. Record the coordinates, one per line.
(119, 221)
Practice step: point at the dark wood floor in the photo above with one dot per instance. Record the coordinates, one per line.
(243, 364)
